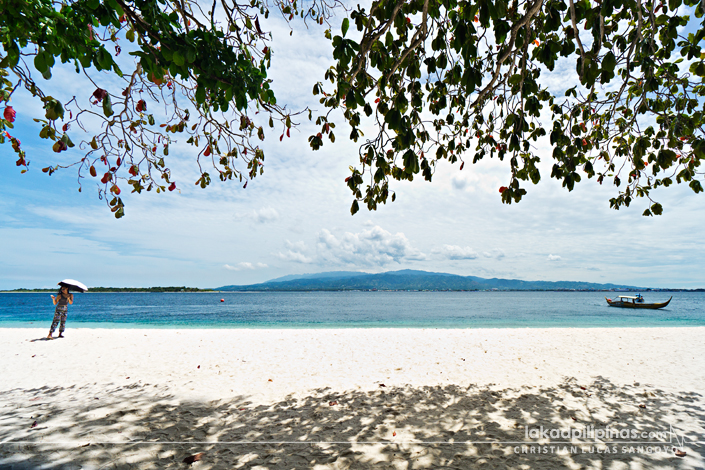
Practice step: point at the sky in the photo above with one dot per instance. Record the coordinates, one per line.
(295, 218)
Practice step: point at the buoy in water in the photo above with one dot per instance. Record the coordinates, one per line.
(222, 300)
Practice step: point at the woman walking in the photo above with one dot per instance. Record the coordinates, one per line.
(62, 301)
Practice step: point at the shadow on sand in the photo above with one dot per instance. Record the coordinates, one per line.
(142, 426)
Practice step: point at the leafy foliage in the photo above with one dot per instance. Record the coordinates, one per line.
(207, 69)
(455, 80)
(442, 80)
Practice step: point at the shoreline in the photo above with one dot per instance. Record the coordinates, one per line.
(78, 325)
(345, 398)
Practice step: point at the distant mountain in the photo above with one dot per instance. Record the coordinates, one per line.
(410, 280)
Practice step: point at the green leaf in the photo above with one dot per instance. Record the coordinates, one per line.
(609, 61)
(104, 59)
(40, 63)
(354, 208)
(107, 106)
(200, 94)
(178, 58)
(54, 109)
(345, 26)
(13, 54)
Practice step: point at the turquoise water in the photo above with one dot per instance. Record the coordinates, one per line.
(351, 310)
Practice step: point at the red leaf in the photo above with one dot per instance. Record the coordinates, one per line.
(9, 114)
(99, 94)
(502, 189)
(207, 152)
(172, 186)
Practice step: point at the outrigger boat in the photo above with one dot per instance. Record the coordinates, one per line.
(637, 301)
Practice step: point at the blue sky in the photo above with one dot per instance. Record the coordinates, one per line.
(295, 218)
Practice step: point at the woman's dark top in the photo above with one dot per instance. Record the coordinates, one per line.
(63, 300)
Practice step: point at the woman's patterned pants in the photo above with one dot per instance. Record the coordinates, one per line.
(59, 316)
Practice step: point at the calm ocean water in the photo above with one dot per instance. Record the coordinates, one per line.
(351, 310)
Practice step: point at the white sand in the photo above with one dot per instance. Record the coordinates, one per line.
(108, 388)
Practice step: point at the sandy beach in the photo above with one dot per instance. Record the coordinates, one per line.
(351, 398)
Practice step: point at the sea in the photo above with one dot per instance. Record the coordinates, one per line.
(351, 310)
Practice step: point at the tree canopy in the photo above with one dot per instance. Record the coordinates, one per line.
(206, 65)
(441, 80)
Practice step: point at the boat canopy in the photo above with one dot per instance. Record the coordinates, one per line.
(628, 297)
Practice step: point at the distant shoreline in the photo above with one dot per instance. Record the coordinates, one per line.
(119, 290)
(103, 290)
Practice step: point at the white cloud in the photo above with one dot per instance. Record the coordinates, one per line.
(496, 254)
(245, 265)
(554, 257)
(456, 252)
(371, 247)
(458, 181)
(266, 214)
(374, 247)
(295, 252)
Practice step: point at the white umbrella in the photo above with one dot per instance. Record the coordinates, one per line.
(73, 285)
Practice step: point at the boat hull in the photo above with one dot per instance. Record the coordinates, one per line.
(619, 303)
